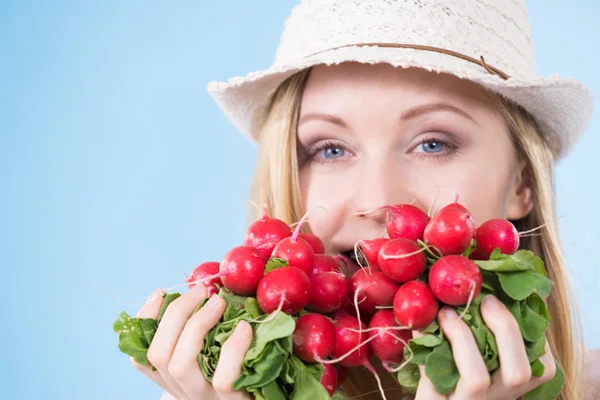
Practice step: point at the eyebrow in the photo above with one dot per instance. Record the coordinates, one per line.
(432, 107)
(410, 114)
(322, 117)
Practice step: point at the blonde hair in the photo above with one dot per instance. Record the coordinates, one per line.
(276, 185)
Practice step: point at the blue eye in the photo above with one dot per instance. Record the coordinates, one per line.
(332, 152)
(431, 147)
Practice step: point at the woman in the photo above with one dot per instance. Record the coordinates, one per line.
(373, 103)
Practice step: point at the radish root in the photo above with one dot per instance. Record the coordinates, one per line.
(471, 294)
(356, 249)
(342, 358)
(365, 213)
(401, 256)
(272, 315)
(372, 370)
(356, 304)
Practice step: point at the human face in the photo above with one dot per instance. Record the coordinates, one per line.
(375, 135)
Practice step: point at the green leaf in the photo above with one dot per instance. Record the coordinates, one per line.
(272, 391)
(263, 372)
(519, 285)
(306, 386)
(135, 336)
(490, 281)
(549, 390)
(527, 313)
(288, 373)
(537, 368)
(535, 349)
(470, 249)
(280, 326)
(236, 305)
(275, 263)
(251, 306)
(441, 369)
(522, 260)
(409, 377)
(339, 395)
(168, 300)
(432, 328)
(422, 347)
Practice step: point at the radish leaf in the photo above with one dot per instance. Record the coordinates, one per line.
(519, 285)
(275, 263)
(548, 390)
(441, 369)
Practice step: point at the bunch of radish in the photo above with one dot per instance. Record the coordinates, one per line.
(279, 275)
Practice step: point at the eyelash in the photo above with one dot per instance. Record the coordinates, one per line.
(451, 148)
(312, 152)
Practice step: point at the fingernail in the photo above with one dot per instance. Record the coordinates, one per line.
(492, 302)
(199, 288)
(213, 301)
(157, 294)
(242, 327)
(449, 313)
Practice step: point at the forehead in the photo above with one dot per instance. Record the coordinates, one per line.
(348, 82)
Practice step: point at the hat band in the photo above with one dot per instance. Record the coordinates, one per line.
(481, 61)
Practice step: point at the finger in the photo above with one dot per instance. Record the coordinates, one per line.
(514, 370)
(151, 310)
(168, 332)
(154, 376)
(549, 371)
(474, 376)
(152, 306)
(183, 366)
(425, 390)
(230, 363)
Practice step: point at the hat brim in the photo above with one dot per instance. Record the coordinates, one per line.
(561, 106)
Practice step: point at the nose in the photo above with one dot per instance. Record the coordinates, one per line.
(381, 184)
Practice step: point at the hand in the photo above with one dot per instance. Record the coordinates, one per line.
(512, 380)
(179, 339)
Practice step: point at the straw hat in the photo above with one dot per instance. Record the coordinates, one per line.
(486, 41)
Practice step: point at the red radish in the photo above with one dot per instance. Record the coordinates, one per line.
(288, 286)
(451, 230)
(330, 378)
(406, 221)
(455, 279)
(342, 373)
(497, 233)
(313, 241)
(346, 310)
(209, 269)
(351, 348)
(325, 263)
(329, 291)
(402, 260)
(242, 269)
(265, 233)
(477, 255)
(370, 250)
(296, 250)
(415, 306)
(387, 346)
(347, 338)
(314, 337)
(374, 289)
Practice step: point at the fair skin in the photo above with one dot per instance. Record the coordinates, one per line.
(371, 136)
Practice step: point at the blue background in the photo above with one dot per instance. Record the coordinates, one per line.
(119, 174)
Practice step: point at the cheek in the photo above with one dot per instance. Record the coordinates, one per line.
(326, 197)
(484, 190)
